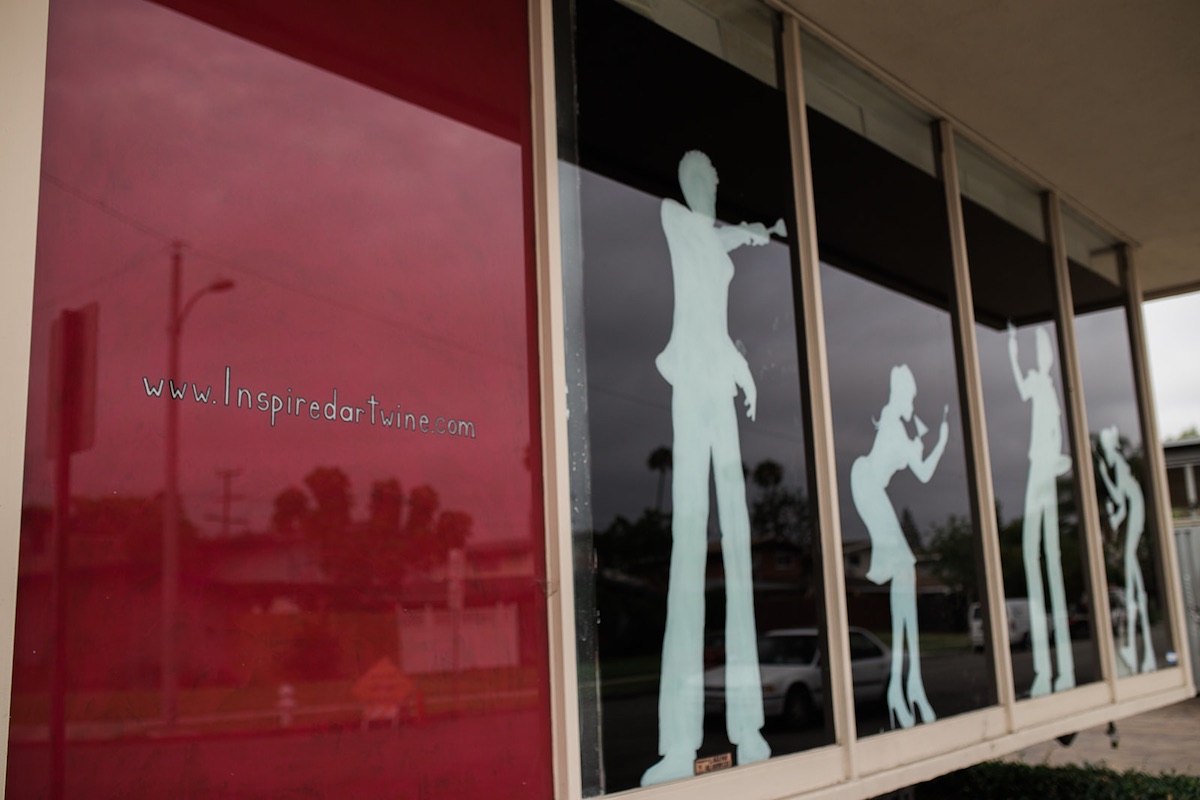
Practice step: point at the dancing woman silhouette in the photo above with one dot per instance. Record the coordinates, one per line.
(1127, 504)
(891, 558)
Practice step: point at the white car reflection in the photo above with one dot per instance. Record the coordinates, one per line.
(790, 664)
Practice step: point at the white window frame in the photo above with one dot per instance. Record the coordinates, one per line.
(22, 85)
(851, 768)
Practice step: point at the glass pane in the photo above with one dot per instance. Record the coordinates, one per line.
(857, 100)
(1133, 563)
(1042, 549)
(696, 514)
(741, 32)
(990, 186)
(911, 543)
(291, 544)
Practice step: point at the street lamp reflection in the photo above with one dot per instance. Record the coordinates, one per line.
(170, 577)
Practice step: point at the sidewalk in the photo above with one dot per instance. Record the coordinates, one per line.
(1166, 740)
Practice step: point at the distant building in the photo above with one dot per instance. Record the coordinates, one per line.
(1183, 469)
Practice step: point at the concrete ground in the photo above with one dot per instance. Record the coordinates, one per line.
(1165, 740)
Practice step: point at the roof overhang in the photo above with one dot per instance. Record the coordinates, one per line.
(1100, 99)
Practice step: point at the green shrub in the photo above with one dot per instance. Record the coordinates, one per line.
(998, 780)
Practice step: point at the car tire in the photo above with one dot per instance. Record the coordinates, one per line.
(798, 709)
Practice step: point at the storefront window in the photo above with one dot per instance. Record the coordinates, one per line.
(1132, 560)
(909, 535)
(703, 597)
(281, 532)
(1042, 550)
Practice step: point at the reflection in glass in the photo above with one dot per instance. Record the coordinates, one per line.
(1040, 533)
(909, 536)
(696, 522)
(1042, 552)
(855, 99)
(357, 608)
(704, 368)
(891, 557)
(1133, 565)
(1126, 503)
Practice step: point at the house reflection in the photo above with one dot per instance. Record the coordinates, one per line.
(270, 634)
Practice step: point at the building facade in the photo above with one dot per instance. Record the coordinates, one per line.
(556, 399)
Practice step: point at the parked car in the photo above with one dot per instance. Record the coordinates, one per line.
(1018, 623)
(1081, 615)
(975, 626)
(789, 663)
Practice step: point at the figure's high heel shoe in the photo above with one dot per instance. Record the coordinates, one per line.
(675, 765)
(1128, 654)
(919, 702)
(899, 713)
(755, 748)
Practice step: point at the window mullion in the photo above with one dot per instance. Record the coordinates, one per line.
(1159, 501)
(824, 466)
(993, 587)
(1085, 472)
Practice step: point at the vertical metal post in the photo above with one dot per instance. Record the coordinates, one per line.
(985, 500)
(555, 458)
(1160, 503)
(65, 422)
(824, 465)
(72, 427)
(1089, 508)
(170, 544)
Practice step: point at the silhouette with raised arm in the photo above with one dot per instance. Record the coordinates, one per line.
(891, 558)
(1126, 504)
(706, 370)
(1040, 533)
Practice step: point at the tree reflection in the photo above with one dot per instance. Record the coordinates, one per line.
(291, 506)
(633, 556)
(661, 461)
(641, 548)
(779, 512)
(401, 535)
(953, 543)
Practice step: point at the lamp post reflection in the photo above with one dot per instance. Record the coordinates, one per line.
(170, 555)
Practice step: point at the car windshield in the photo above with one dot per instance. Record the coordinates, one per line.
(798, 649)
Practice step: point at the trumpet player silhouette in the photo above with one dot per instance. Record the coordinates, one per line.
(706, 370)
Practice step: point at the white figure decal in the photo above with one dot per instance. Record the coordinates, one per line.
(891, 558)
(1040, 531)
(1126, 504)
(706, 370)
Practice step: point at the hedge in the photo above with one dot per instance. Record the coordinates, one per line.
(1000, 780)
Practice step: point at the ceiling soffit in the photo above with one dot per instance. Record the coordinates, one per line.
(1099, 99)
